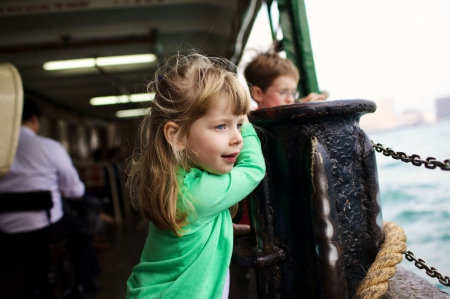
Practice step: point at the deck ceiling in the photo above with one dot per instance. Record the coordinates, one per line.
(33, 32)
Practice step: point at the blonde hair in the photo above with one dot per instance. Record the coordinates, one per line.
(186, 87)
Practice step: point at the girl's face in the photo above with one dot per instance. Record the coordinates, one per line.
(215, 139)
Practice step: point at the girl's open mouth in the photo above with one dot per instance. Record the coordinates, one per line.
(231, 158)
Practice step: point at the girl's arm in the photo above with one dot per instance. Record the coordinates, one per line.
(211, 194)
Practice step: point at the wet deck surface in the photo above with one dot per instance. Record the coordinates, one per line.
(117, 262)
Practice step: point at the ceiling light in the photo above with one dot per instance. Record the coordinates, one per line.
(111, 100)
(99, 61)
(69, 64)
(128, 59)
(132, 112)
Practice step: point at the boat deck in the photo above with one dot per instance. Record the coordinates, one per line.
(116, 263)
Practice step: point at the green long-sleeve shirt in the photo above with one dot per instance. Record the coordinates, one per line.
(195, 265)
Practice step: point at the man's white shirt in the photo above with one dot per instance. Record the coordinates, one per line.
(40, 164)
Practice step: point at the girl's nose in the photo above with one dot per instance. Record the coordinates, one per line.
(237, 137)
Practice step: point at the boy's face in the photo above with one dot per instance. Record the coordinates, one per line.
(215, 139)
(283, 91)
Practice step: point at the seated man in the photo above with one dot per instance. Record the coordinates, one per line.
(40, 164)
(273, 81)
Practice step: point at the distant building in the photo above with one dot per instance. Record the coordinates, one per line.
(383, 118)
(442, 108)
(410, 118)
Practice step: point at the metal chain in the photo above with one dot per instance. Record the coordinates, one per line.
(431, 271)
(429, 162)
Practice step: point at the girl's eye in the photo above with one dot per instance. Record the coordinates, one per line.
(239, 126)
(221, 127)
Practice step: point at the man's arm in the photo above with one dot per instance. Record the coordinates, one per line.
(69, 181)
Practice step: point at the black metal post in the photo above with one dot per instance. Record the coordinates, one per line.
(316, 217)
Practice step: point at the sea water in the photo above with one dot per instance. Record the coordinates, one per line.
(417, 198)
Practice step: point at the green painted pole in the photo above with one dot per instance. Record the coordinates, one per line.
(297, 44)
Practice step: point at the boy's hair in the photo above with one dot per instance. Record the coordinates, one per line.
(186, 87)
(30, 109)
(266, 67)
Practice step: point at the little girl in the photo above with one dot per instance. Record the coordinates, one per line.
(198, 158)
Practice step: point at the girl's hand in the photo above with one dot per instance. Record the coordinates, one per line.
(241, 229)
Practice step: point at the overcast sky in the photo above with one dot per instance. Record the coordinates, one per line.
(396, 49)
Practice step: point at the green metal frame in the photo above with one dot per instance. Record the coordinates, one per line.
(296, 41)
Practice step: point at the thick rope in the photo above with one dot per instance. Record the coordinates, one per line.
(375, 284)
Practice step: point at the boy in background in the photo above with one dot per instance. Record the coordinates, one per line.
(273, 81)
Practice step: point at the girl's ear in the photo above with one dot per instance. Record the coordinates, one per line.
(170, 130)
(257, 93)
